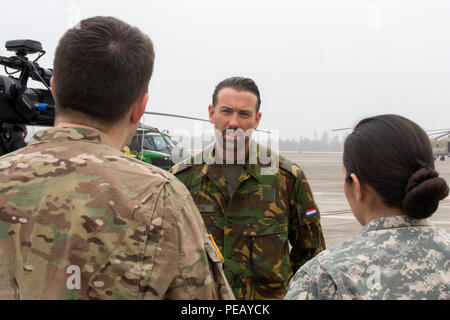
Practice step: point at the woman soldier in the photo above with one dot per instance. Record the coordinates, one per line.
(392, 187)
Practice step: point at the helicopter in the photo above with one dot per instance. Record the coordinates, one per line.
(151, 145)
(439, 139)
(154, 146)
(440, 143)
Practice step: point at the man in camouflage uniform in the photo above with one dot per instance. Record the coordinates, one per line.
(81, 220)
(253, 208)
(395, 257)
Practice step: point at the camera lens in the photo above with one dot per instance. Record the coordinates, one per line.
(5, 87)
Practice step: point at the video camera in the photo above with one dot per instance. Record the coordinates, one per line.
(20, 105)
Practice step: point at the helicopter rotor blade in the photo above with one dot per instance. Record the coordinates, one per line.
(437, 130)
(342, 129)
(438, 133)
(442, 135)
(175, 116)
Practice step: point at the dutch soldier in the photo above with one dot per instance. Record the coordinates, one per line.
(252, 211)
(81, 220)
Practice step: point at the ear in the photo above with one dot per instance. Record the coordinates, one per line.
(257, 119)
(52, 86)
(357, 187)
(138, 108)
(211, 113)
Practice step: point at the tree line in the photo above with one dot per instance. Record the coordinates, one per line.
(325, 143)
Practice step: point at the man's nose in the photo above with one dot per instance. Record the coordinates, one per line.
(234, 121)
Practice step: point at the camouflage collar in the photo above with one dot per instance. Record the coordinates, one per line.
(58, 134)
(209, 162)
(393, 222)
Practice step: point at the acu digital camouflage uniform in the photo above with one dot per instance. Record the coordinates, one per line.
(71, 200)
(391, 258)
(253, 229)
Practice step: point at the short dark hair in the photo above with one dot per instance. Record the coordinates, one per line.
(393, 155)
(239, 84)
(101, 67)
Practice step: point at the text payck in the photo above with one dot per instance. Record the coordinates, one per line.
(246, 309)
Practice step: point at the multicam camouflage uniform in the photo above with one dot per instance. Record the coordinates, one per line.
(70, 201)
(391, 258)
(254, 227)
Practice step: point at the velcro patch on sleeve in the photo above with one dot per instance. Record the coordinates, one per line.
(207, 207)
(268, 195)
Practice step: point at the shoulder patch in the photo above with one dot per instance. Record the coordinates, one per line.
(180, 166)
(189, 162)
(290, 166)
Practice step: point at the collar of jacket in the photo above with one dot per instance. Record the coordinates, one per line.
(62, 134)
(210, 168)
(393, 222)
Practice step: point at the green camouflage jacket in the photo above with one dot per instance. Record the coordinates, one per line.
(253, 229)
(81, 220)
(391, 258)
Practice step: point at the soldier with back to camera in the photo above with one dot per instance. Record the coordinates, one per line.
(81, 220)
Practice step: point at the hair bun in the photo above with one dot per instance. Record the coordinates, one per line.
(422, 194)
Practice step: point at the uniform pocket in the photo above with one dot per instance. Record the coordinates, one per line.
(268, 252)
(213, 221)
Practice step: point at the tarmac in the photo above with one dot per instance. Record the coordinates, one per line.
(326, 178)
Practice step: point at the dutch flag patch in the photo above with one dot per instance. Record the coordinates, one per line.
(311, 213)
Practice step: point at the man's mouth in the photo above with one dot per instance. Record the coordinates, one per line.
(231, 136)
(234, 138)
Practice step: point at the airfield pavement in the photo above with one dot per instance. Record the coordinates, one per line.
(326, 178)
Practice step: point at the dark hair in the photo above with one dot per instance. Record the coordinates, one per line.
(393, 155)
(101, 67)
(239, 84)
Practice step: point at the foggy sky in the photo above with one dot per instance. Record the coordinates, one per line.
(319, 64)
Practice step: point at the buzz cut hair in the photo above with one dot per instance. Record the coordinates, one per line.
(101, 67)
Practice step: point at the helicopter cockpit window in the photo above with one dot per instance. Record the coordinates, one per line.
(171, 141)
(148, 144)
(160, 143)
(136, 143)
